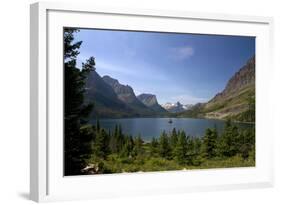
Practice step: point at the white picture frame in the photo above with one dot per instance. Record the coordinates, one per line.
(47, 182)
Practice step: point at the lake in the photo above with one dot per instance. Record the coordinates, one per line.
(153, 127)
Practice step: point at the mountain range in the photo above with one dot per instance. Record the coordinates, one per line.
(105, 100)
(176, 107)
(125, 93)
(112, 99)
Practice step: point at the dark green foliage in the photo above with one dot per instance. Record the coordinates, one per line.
(114, 152)
(117, 140)
(101, 144)
(133, 154)
(164, 146)
(154, 147)
(89, 65)
(210, 142)
(128, 147)
(138, 146)
(71, 50)
(174, 138)
(229, 142)
(196, 151)
(246, 143)
(113, 141)
(181, 149)
(77, 146)
(190, 154)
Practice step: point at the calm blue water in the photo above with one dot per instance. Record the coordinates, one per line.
(152, 127)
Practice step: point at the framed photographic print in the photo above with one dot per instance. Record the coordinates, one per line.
(127, 102)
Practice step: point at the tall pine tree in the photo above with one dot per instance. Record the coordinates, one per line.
(154, 147)
(229, 141)
(174, 137)
(77, 144)
(164, 146)
(101, 144)
(181, 149)
(138, 146)
(210, 142)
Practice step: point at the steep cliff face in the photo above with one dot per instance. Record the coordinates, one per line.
(236, 101)
(150, 101)
(236, 96)
(111, 99)
(106, 102)
(126, 94)
(244, 78)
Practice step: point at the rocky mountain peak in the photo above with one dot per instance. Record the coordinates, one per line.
(148, 99)
(118, 88)
(242, 79)
(176, 107)
(236, 98)
(178, 103)
(124, 92)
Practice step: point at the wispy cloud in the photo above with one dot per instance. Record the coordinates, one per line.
(182, 53)
(109, 68)
(128, 70)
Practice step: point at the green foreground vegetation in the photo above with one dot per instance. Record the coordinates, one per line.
(114, 164)
(116, 152)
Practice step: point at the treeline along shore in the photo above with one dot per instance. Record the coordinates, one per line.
(116, 152)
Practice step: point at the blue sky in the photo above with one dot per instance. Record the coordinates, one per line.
(175, 67)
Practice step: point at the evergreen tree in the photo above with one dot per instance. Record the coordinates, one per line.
(164, 146)
(128, 147)
(77, 144)
(138, 146)
(99, 144)
(190, 154)
(174, 137)
(246, 143)
(154, 147)
(181, 149)
(210, 142)
(197, 147)
(229, 141)
(113, 140)
(119, 139)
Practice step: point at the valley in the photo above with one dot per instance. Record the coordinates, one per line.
(112, 99)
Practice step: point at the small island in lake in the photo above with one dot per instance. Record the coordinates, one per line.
(148, 101)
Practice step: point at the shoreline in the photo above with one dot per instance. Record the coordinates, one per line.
(199, 118)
